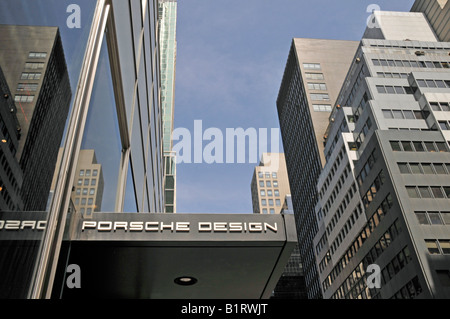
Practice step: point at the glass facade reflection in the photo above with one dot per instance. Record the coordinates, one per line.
(167, 38)
(80, 127)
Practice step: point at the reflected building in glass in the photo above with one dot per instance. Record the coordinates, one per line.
(36, 72)
(270, 184)
(168, 46)
(10, 172)
(107, 120)
(87, 193)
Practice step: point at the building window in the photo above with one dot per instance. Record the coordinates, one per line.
(433, 83)
(418, 146)
(23, 98)
(268, 184)
(261, 183)
(275, 183)
(435, 218)
(277, 202)
(34, 65)
(37, 55)
(314, 76)
(30, 76)
(322, 107)
(317, 86)
(320, 97)
(263, 202)
(311, 66)
(95, 172)
(270, 202)
(272, 211)
(27, 87)
(82, 172)
(432, 247)
(444, 125)
(445, 246)
(264, 210)
(422, 218)
(262, 192)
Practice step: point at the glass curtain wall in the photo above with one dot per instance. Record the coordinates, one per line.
(80, 126)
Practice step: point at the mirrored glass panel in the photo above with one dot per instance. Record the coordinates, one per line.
(42, 45)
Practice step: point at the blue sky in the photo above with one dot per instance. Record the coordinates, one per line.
(230, 60)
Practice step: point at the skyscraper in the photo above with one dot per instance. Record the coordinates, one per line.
(271, 195)
(87, 194)
(437, 13)
(270, 184)
(168, 45)
(36, 72)
(384, 192)
(313, 75)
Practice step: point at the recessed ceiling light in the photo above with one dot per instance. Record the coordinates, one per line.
(185, 281)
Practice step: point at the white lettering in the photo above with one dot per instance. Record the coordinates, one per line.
(204, 226)
(182, 226)
(150, 226)
(123, 225)
(136, 226)
(237, 227)
(88, 224)
(104, 226)
(12, 224)
(220, 227)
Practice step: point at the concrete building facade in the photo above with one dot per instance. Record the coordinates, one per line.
(270, 184)
(383, 194)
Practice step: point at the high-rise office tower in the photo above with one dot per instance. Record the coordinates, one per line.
(36, 72)
(87, 194)
(271, 195)
(270, 184)
(314, 73)
(384, 192)
(168, 45)
(438, 14)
